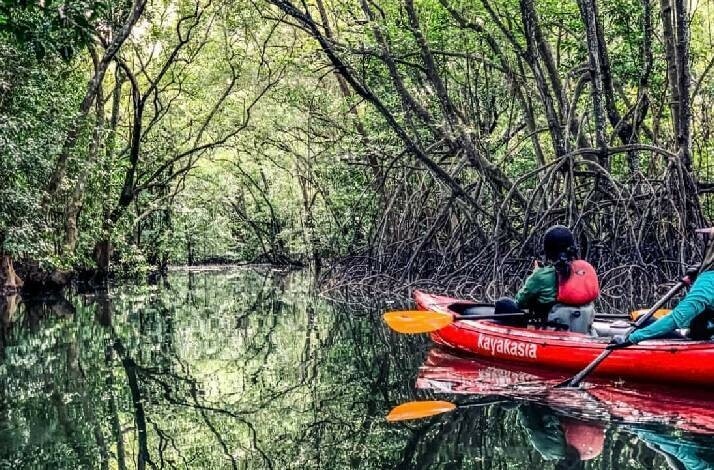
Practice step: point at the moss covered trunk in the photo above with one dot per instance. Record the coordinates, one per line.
(9, 280)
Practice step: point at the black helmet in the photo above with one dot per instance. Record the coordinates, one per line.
(558, 240)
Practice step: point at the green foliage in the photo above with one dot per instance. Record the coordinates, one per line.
(33, 120)
(56, 27)
(251, 149)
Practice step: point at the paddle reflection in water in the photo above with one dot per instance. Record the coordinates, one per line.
(571, 426)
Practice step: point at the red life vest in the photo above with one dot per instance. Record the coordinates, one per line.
(581, 287)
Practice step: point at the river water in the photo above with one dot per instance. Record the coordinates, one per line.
(250, 368)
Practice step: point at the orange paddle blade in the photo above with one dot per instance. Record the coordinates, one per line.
(417, 321)
(419, 409)
(634, 315)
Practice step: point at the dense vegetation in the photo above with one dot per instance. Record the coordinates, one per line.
(174, 134)
(429, 139)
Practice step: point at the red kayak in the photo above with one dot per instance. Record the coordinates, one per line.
(601, 401)
(672, 361)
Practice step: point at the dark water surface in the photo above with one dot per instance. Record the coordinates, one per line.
(251, 369)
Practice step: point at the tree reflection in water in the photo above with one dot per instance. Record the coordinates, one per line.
(247, 369)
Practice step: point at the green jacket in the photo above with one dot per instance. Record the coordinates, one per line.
(543, 429)
(699, 299)
(540, 289)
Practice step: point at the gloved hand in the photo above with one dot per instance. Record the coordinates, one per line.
(618, 342)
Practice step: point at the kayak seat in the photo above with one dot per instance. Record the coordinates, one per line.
(609, 329)
(577, 319)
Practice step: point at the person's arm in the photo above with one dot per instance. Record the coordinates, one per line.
(683, 453)
(531, 288)
(659, 328)
(694, 303)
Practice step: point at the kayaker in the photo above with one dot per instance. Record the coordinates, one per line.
(566, 440)
(561, 292)
(678, 451)
(695, 311)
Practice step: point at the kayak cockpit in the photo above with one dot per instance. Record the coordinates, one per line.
(472, 308)
(604, 326)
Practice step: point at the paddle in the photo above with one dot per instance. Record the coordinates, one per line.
(575, 381)
(419, 409)
(663, 312)
(426, 321)
(427, 408)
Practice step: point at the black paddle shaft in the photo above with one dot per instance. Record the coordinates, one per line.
(575, 381)
(506, 316)
(495, 316)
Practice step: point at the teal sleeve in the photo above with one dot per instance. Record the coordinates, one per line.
(659, 328)
(699, 298)
(691, 455)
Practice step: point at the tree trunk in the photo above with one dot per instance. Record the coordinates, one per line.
(10, 282)
(191, 258)
(669, 40)
(532, 56)
(515, 83)
(76, 201)
(102, 256)
(413, 146)
(94, 84)
(621, 125)
(643, 99)
(347, 95)
(589, 16)
(456, 119)
(684, 81)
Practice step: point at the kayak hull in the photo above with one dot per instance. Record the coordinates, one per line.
(677, 362)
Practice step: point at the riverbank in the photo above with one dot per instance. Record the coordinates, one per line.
(30, 277)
